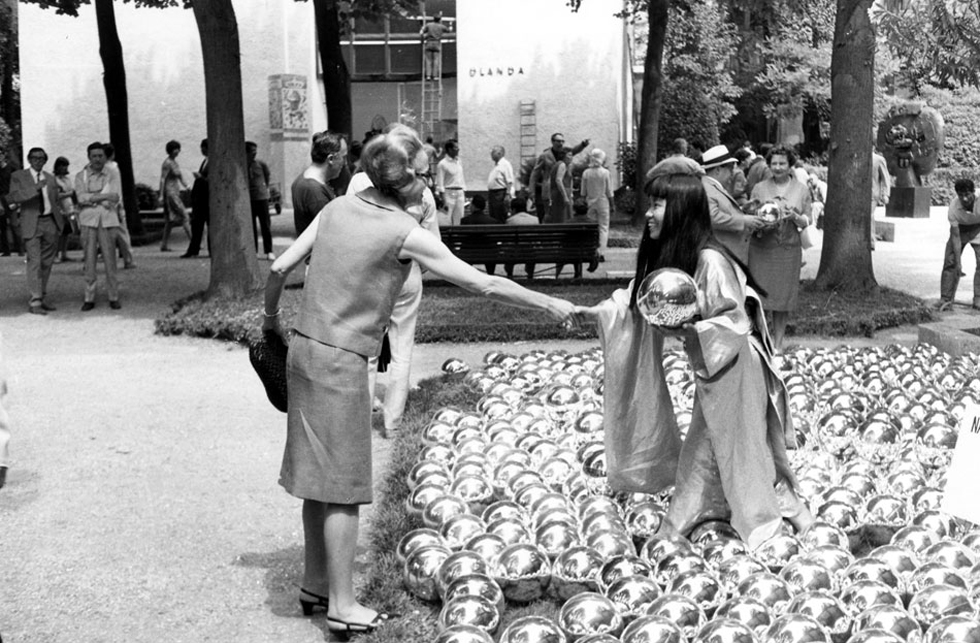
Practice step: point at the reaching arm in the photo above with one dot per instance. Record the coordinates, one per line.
(440, 179)
(164, 173)
(559, 180)
(433, 255)
(281, 267)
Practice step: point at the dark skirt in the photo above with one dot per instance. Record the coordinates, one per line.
(328, 440)
(777, 269)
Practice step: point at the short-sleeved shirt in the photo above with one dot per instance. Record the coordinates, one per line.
(309, 197)
(596, 184)
(958, 215)
(432, 35)
(501, 176)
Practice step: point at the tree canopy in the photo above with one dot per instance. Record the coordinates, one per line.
(937, 42)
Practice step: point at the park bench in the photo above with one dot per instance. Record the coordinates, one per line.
(565, 243)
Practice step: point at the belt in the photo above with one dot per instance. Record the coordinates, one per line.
(454, 188)
(51, 215)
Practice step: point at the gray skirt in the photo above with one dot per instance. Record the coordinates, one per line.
(777, 269)
(328, 440)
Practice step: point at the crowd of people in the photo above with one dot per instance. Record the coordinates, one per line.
(40, 210)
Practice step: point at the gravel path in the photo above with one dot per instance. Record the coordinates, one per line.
(142, 502)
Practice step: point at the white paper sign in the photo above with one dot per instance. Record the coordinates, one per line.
(961, 498)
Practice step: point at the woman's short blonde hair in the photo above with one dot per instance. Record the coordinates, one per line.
(389, 158)
(597, 158)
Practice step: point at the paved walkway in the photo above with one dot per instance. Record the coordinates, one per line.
(141, 503)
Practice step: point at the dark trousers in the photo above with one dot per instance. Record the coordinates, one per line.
(200, 217)
(497, 204)
(541, 208)
(260, 213)
(9, 227)
(528, 268)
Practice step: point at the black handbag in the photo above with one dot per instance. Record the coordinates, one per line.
(268, 357)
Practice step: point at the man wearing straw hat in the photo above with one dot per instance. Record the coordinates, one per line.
(731, 226)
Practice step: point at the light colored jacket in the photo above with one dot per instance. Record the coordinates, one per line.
(727, 219)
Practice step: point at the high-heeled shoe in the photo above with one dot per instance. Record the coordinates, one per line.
(308, 600)
(345, 629)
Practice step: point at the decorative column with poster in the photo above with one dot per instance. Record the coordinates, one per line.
(289, 130)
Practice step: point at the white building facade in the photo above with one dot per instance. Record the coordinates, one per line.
(523, 70)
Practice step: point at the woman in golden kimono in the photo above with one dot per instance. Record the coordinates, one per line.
(733, 463)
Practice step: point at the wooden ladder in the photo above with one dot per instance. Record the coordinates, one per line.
(529, 131)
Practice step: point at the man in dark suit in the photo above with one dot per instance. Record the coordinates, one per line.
(8, 219)
(200, 209)
(40, 224)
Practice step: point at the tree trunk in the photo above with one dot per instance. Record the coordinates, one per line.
(336, 78)
(117, 101)
(845, 262)
(650, 101)
(234, 268)
(9, 96)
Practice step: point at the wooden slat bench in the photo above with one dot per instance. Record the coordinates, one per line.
(567, 243)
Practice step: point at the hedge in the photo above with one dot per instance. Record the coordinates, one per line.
(449, 314)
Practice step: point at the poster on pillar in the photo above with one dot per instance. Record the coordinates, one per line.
(288, 106)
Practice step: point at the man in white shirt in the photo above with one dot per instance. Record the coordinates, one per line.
(500, 184)
(450, 184)
(964, 229)
(41, 222)
(98, 194)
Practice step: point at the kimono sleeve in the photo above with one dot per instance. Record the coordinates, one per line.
(724, 327)
(641, 436)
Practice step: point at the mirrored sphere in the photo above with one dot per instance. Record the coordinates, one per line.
(589, 613)
(470, 610)
(653, 629)
(463, 634)
(532, 629)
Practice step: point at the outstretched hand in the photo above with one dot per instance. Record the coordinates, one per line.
(586, 314)
(563, 311)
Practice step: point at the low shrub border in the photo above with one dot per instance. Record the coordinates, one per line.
(449, 314)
